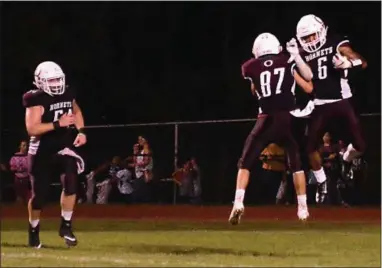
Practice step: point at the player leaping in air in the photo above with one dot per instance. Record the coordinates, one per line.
(330, 57)
(273, 81)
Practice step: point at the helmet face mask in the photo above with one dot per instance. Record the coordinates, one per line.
(311, 33)
(265, 44)
(50, 78)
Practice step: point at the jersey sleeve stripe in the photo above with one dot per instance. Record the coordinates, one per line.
(248, 78)
(340, 44)
(292, 68)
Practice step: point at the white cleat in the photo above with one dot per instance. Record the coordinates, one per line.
(236, 213)
(302, 214)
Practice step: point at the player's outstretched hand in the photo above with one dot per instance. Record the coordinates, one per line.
(292, 48)
(66, 120)
(80, 140)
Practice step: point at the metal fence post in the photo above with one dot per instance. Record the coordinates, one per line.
(175, 159)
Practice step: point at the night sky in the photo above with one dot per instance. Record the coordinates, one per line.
(149, 61)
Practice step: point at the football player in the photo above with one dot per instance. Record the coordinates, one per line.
(330, 57)
(273, 81)
(55, 125)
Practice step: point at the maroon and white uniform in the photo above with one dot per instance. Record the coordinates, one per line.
(332, 93)
(273, 78)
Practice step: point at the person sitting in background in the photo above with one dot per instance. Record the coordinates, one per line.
(124, 181)
(19, 167)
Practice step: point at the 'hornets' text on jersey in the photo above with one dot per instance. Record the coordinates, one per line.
(53, 108)
(329, 83)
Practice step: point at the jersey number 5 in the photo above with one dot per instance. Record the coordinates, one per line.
(322, 69)
(265, 81)
(58, 113)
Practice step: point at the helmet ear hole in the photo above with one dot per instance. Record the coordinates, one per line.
(280, 49)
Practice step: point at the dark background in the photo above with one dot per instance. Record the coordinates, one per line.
(163, 61)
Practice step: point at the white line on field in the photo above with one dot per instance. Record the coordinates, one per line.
(104, 259)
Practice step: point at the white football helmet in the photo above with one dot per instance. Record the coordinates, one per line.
(266, 43)
(311, 33)
(50, 78)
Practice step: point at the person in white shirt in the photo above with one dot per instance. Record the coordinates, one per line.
(124, 181)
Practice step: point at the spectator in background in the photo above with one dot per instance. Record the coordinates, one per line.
(3, 167)
(136, 152)
(274, 173)
(196, 179)
(329, 153)
(183, 177)
(101, 178)
(124, 181)
(341, 147)
(143, 172)
(19, 167)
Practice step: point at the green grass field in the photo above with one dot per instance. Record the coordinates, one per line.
(144, 243)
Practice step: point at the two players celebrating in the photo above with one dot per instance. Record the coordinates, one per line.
(321, 68)
(56, 126)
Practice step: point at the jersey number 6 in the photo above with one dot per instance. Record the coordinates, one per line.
(322, 69)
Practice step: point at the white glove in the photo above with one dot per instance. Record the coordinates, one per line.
(292, 48)
(341, 62)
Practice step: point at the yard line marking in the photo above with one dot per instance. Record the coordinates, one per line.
(105, 259)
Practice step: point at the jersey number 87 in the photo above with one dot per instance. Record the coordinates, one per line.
(265, 82)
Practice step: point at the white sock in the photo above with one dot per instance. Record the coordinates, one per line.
(34, 223)
(320, 175)
(67, 215)
(301, 200)
(239, 195)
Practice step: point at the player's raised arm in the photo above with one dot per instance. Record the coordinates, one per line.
(303, 68)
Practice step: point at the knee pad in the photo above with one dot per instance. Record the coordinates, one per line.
(70, 176)
(70, 184)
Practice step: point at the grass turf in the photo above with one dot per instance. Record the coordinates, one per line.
(112, 243)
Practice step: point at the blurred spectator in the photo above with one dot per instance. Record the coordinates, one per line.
(101, 180)
(184, 178)
(329, 153)
(19, 167)
(3, 167)
(124, 181)
(143, 172)
(274, 174)
(196, 179)
(341, 147)
(349, 186)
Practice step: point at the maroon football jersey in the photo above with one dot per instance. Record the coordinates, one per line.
(54, 107)
(273, 78)
(329, 83)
